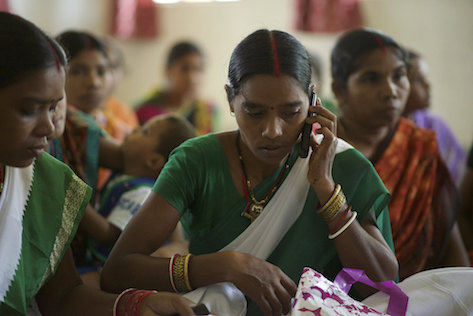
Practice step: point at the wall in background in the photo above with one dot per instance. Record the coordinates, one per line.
(439, 29)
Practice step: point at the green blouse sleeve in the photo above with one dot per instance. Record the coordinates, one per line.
(178, 182)
(364, 189)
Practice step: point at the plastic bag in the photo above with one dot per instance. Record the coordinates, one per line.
(317, 295)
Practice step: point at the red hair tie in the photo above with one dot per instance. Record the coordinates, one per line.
(275, 54)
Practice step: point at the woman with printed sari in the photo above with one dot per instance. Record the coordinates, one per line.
(81, 143)
(41, 199)
(83, 146)
(77, 141)
(251, 205)
(371, 85)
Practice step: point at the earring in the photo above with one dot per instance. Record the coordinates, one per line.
(232, 113)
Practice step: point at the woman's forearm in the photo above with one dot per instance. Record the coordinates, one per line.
(136, 270)
(85, 300)
(98, 227)
(363, 247)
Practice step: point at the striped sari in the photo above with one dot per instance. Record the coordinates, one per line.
(424, 199)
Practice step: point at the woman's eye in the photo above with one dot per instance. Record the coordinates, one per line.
(253, 113)
(29, 110)
(77, 71)
(290, 114)
(53, 106)
(398, 76)
(369, 78)
(101, 71)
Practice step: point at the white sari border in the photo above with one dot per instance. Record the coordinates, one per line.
(13, 201)
(266, 232)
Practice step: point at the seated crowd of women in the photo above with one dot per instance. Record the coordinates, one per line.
(373, 193)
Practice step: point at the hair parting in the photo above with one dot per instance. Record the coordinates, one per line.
(275, 55)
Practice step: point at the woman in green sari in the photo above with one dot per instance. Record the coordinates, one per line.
(41, 199)
(248, 202)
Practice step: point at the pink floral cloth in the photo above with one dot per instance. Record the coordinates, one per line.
(318, 296)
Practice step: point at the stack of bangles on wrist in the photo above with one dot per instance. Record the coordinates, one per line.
(336, 207)
(179, 273)
(128, 303)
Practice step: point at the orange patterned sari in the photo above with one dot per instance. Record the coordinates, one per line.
(424, 199)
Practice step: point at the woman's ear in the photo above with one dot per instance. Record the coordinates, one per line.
(229, 98)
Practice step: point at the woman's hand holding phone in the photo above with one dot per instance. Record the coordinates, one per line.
(307, 129)
(323, 153)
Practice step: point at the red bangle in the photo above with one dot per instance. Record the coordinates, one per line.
(130, 302)
(171, 277)
(119, 298)
(340, 221)
(140, 300)
(333, 191)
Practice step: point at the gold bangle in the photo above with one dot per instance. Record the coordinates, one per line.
(178, 273)
(186, 272)
(337, 190)
(334, 208)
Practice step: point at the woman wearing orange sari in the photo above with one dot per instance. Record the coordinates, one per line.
(370, 82)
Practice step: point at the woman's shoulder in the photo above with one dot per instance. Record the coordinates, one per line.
(410, 129)
(210, 141)
(78, 119)
(48, 162)
(202, 150)
(52, 168)
(151, 98)
(347, 156)
(201, 146)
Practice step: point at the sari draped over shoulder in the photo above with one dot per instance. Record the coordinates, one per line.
(449, 147)
(202, 114)
(424, 199)
(40, 210)
(78, 147)
(197, 181)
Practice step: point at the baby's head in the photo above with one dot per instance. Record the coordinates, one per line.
(147, 148)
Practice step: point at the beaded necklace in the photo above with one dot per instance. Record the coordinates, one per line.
(254, 209)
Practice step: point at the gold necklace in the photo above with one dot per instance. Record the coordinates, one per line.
(254, 209)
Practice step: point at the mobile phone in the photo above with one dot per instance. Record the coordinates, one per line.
(307, 129)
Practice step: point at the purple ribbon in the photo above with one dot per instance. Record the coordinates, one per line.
(397, 305)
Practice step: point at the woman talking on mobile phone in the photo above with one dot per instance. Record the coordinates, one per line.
(258, 212)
